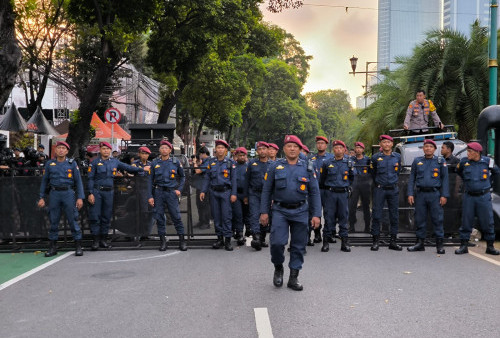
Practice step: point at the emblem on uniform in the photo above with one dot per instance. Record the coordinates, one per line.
(466, 164)
(313, 158)
(265, 177)
(53, 163)
(420, 163)
(364, 170)
(302, 187)
(213, 163)
(255, 163)
(173, 174)
(303, 179)
(280, 167)
(69, 173)
(114, 171)
(331, 166)
(225, 173)
(380, 159)
(485, 173)
(157, 166)
(90, 169)
(100, 163)
(133, 165)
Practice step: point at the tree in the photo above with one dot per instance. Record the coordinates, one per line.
(10, 53)
(277, 6)
(293, 54)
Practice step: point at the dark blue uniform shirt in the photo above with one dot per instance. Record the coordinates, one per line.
(476, 174)
(255, 174)
(385, 169)
(139, 164)
(59, 174)
(165, 173)
(361, 166)
(220, 174)
(318, 161)
(102, 172)
(241, 173)
(429, 173)
(336, 173)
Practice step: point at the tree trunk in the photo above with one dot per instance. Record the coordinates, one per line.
(10, 53)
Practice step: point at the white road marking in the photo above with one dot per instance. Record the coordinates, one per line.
(263, 323)
(492, 261)
(33, 271)
(134, 259)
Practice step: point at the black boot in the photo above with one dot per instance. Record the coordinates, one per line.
(163, 243)
(490, 249)
(293, 282)
(331, 239)
(317, 235)
(464, 247)
(52, 249)
(440, 246)
(278, 275)
(256, 242)
(78, 248)
(375, 244)
(103, 243)
(419, 246)
(326, 245)
(219, 243)
(240, 239)
(263, 239)
(344, 246)
(393, 245)
(227, 244)
(182, 243)
(95, 243)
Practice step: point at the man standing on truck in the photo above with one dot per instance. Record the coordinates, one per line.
(417, 114)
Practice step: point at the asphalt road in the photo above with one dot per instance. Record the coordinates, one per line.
(213, 293)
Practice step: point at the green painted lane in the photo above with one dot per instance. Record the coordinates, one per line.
(15, 264)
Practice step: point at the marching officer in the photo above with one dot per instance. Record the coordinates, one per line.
(256, 170)
(417, 114)
(319, 158)
(220, 178)
(476, 171)
(291, 185)
(272, 152)
(240, 208)
(164, 189)
(336, 175)
(61, 178)
(100, 185)
(385, 168)
(430, 176)
(361, 187)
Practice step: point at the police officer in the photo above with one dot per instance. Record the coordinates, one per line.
(100, 185)
(61, 178)
(256, 170)
(336, 175)
(239, 207)
(143, 161)
(476, 171)
(385, 168)
(143, 192)
(272, 152)
(292, 187)
(164, 189)
(417, 114)
(429, 175)
(318, 158)
(447, 152)
(361, 187)
(200, 168)
(220, 181)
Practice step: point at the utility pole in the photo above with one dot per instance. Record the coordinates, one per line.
(493, 68)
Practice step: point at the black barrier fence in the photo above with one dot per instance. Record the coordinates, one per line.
(21, 221)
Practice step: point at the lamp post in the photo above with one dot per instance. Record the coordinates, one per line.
(354, 63)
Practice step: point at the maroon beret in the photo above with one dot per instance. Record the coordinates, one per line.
(338, 143)
(166, 143)
(62, 143)
(305, 148)
(359, 144)
(385, 137)
(291, 139)
(429, 141)
(105, 144)
(240, 150)
(222, 142)
(262, 144)
(475, 146)
(321, 138)
(145, 149)
(275, 146)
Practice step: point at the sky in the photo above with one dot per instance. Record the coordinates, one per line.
(332, 36)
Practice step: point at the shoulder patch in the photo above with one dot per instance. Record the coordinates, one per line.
(280, 167)
(466, 164)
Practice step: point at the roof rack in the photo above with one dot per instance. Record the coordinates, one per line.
(418, 135)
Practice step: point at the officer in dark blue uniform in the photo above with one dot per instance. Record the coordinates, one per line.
(336, 175)
(240, 207)
(429, 174)
(164, 189)
(142, 191)
(361, 187)
(200, 169)
(100, 185)
(318, 158)
(221, 180)
(256, 170)
(385, 167)
(61, 178)
(476, 172)
(143, 161)
(292, 187)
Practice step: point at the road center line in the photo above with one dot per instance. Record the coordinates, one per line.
(492, 261)
(33, 271)
(134, 259)
(263, 323)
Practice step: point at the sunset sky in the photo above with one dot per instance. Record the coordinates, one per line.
(332, 36)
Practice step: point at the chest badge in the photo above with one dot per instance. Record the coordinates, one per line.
(100, 163)
(255, 163)
(225, 173)
(302, 187)
(280, 167)
(331, 166)
(157, 166)
(466, 164)
(420, 163)
(380, 159)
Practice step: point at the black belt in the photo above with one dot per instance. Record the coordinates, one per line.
(337, 189)
(164, 188)
(60, 188)
(427, 189)
(104, 188)
(386, 187)
(478, 193)
(220, 188)
(290, 205)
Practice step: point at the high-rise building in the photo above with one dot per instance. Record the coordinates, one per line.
(459, 15)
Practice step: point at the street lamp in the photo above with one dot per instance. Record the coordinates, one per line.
(354, 62)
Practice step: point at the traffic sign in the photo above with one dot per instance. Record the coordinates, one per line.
(112, 115)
